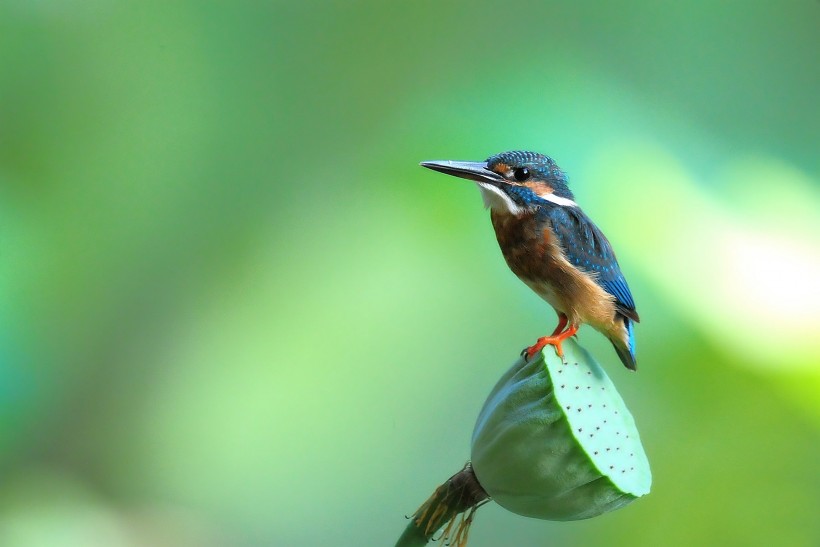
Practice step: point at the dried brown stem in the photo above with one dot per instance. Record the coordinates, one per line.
(452, 504)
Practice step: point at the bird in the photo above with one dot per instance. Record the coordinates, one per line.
(553, 247)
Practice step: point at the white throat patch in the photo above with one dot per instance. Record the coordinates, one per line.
(494, 198)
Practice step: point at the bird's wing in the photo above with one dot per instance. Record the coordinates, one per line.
(586, 248)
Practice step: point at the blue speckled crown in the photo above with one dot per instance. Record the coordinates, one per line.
(518, 158)
(542, 167)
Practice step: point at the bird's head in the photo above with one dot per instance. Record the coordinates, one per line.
(513, 182)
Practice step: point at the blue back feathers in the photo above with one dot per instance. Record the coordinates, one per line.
(586, 248)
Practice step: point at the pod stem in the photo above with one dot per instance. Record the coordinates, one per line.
(453, 504)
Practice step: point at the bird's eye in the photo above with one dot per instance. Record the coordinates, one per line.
(521, 174)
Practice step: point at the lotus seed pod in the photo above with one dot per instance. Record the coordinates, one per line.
(555, 440)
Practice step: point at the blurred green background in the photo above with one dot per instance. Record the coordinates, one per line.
(236, 311)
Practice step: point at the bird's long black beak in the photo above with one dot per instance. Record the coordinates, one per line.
(472, 170)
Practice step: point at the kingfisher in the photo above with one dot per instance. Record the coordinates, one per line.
(553, 247)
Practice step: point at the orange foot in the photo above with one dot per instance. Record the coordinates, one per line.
(553, 340)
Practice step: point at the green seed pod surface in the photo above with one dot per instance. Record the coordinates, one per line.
(555, 440)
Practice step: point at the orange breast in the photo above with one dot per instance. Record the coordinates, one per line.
(532, 252)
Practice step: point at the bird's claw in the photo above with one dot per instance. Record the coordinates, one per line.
(554, 340)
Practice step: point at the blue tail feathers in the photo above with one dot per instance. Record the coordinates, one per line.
(626, 348)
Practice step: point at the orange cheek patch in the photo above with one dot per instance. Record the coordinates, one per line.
(540, 188)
